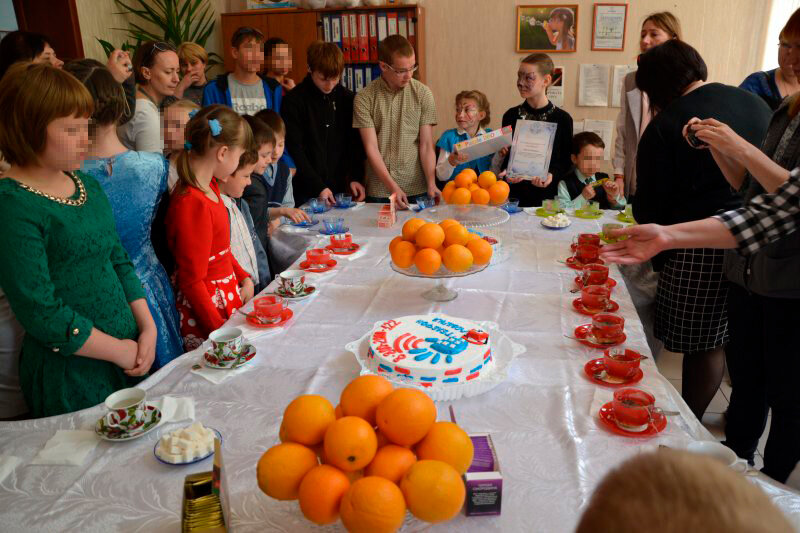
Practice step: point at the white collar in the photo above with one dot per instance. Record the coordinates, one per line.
(480, 131)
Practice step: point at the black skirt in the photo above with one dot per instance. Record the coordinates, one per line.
(691, 301)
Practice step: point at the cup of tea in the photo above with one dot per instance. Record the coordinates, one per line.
(594, 207)
(607, 328)
(621, 362)
(317, 205)
(269, 308)
(594, 274)
(587, 253)
(608, 228)
(343, 200)
(587, 238)
(629, 210)
(226, 344)
(318, 256)
(291, 281)
(720, 452)
(550, 206)
(634, 409)
(126, 409)
(595, 298)
(341, 241)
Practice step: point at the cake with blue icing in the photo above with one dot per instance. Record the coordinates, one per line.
(430, 350)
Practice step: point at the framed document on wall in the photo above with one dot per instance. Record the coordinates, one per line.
(608, 26)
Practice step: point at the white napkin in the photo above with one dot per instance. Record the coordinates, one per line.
(175, 409)
(358, 206)
(360, 253)
(67, 447)
(7, 465)
(530, 210)
(216, 375)
(295, 229)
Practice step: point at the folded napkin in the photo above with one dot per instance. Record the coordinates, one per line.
(175, 409)
(530, 210)
(67, 447)
(7, 465)
(216, 375)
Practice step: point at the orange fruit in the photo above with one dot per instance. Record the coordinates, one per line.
(321, 492)
(481, 251)
(487, 179)
(405, 416)
(281, 469)
(480, 196)
(446, 223)
(428, 261)
(473, 176)
(362, 395)
(463, 179)
(433, 490)
(460, 196)
(403, 254)
(455, 234)
(306, 418)
(391, 462)
(457, 258)
(373, 505)
(394, 242)
(410, 228)
(431, 235)
(282, 434)
(473, 187)
(499, 192)
(449, 443)
(338, 412)
(447, 192)
(471, 237)
(449, 185)
(354, 475)
(350, 443)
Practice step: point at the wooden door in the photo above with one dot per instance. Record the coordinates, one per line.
(55, 19)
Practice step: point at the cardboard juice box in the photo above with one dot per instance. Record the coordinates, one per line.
(483, 479)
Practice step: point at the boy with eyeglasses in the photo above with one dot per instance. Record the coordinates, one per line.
(395, 115)
(535, 74)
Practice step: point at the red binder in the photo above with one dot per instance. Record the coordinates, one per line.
(354, 53)
(363, 37)
(392, 20)
(373, 37)
(346, 38)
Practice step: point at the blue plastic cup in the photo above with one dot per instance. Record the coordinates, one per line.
(343, 200)
(330, 225)
(512, 204)
(316, 205)
(338, 225)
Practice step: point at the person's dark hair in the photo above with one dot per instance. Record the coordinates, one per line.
(666, 70)
(248, 157)
(262, 133)
(20, 46)
(586, 138)
(145, 57)
(109, 97)
(273, 120)
(272, 43)
(246, 33)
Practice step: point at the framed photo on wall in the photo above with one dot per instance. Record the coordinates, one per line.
(547, 28)
(608, 26)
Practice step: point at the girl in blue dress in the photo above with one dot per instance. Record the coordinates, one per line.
(472, 116)
(135, 183)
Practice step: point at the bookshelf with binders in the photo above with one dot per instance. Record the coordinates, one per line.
(356, 31)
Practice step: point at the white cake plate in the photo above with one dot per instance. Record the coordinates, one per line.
(504, 350)
(439, 293)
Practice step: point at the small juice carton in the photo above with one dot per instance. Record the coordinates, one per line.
(483, 479)
(387, 215)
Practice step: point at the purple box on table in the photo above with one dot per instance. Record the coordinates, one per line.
(483, 478)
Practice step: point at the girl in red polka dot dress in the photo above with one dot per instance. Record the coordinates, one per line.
(210, 283)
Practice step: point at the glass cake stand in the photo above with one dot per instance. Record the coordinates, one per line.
(439, 293)
(470, 216)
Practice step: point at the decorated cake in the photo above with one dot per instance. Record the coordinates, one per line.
(430, 350)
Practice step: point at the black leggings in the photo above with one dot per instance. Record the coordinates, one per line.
(764, 362)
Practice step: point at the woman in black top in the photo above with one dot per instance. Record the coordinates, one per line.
(676, 183)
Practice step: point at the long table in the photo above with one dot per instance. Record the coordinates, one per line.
(543, 418)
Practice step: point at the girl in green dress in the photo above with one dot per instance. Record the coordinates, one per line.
(68, 279)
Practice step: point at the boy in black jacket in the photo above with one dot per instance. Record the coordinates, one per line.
(319, 130)
(584, 184)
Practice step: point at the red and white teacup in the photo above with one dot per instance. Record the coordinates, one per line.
(607, 328)
(595, 298)
(318, 256)
(634, 409)
(126, 409)
(621, 362)
(594, 274)
(269, 309)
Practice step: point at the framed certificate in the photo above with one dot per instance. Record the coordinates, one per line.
(608, 26)
(531, 149)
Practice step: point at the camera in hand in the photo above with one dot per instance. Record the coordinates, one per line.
(693, 140)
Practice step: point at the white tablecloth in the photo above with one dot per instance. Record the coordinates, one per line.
(551, 448)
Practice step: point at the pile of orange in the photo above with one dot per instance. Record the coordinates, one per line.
(429, 246)
(376, 454)
(469, 188)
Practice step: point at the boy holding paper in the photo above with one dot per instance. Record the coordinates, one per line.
(533, 78)
(395, 115)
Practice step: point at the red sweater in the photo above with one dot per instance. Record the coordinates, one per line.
(198, 234)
